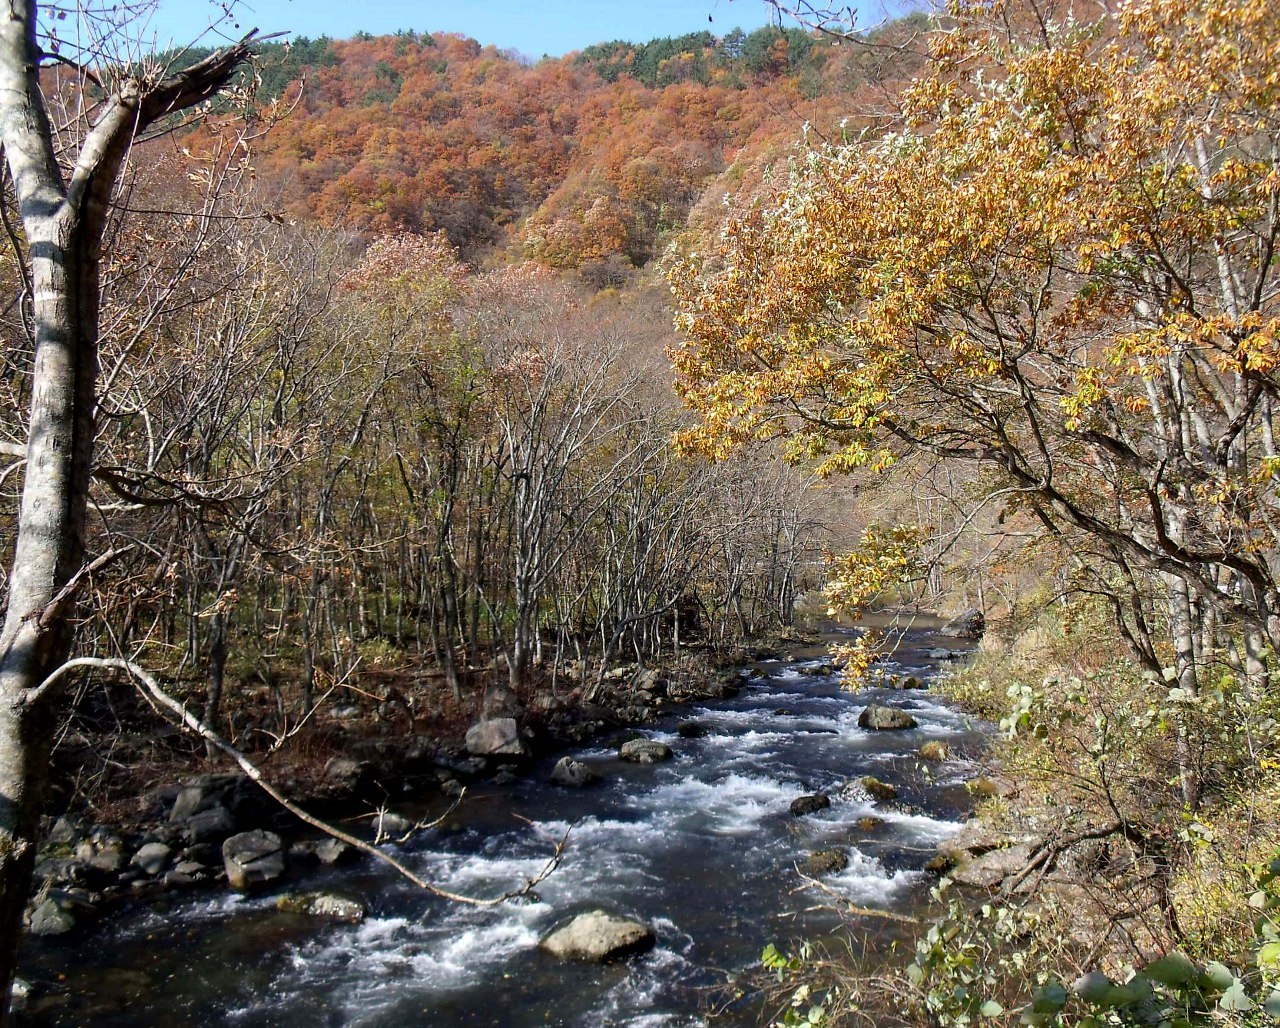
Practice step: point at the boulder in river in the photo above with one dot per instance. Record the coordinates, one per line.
(251, 858)
(968, 624)
(496, 737)
(880, 718)
(878, 790)
(597, 937)
(322, 904)
(644, 751)
(573, 774)
(803, 805)
(691, 730)
(824, 862)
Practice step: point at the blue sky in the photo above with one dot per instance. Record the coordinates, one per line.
(532, 27)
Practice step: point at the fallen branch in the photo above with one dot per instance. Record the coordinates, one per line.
(851, 908)
(151, 688)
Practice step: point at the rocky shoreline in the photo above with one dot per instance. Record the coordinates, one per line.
(220, 830)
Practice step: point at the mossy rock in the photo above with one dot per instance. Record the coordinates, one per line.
(322, 904)
(809, 804)
(824, 862)
(878, 790)
(985, 788)
(935, 750)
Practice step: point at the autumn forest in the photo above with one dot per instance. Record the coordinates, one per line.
(386, 416)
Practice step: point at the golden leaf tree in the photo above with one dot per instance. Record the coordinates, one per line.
(1059, 267)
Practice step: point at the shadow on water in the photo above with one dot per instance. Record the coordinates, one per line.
(702, 847)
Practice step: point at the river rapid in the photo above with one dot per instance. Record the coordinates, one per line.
(702, 847)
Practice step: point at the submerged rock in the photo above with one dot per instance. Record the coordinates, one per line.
(824, 862)
(598, 936)
(495, 737)
(691, 730)
(573, 774)
(644, 751)
(252, 858)
(880, 718)
(809, 804)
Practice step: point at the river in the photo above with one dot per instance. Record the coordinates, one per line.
(701, 847)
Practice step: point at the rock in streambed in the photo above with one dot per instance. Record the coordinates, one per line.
(597, 937)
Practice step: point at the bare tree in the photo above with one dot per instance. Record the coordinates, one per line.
(63, 196)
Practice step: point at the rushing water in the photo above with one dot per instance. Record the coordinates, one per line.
(701, 847)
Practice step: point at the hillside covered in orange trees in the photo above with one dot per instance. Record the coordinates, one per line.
(587, 161)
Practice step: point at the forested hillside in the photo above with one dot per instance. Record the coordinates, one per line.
(589, 160)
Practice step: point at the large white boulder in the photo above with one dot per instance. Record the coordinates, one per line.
(599, 936)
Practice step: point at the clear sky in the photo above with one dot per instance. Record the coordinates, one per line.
(532, 27)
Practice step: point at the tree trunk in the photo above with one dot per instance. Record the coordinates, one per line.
(217, 674)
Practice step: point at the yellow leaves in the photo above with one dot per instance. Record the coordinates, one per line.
(1049, 228)
(886, 556)
(1259, 347)
(1266, 470)
(856, 658)
(1090, 390)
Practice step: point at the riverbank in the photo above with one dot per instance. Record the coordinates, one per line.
(1121, 866)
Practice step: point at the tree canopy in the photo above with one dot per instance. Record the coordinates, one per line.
(1060, 267)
